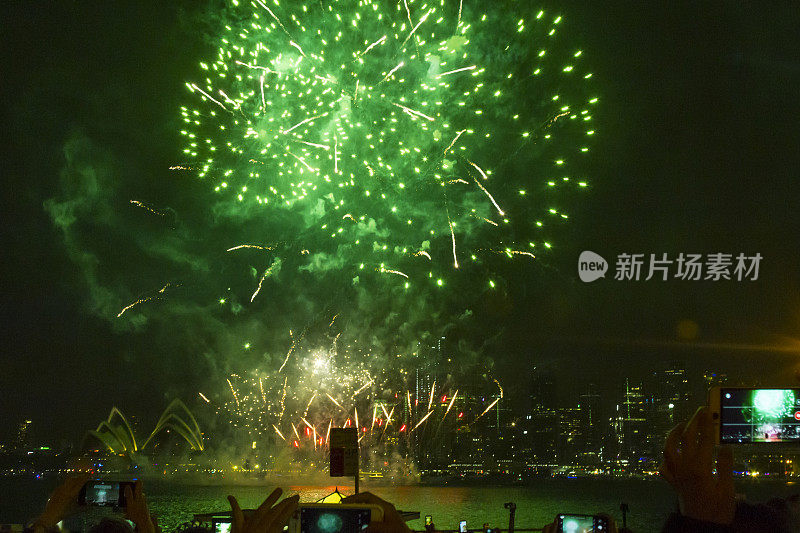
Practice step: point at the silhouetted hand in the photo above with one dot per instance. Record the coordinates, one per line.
(268, 518)
(688, 465)
(60, 503)
(136, 509)
(392, 521)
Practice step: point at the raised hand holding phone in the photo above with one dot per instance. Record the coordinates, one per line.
(136, 509)
(688, 467)
(60, 503)
(268, 518)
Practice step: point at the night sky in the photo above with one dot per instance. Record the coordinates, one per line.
(696, 152)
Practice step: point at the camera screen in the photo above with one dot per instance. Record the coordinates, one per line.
(102, 493)
(581, 524)
(759, 415)
(328, 520)
(221, 525)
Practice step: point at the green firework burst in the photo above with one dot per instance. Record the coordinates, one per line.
(411, 138)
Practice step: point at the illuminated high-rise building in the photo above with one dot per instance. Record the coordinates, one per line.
(23, 435)
(631, 423)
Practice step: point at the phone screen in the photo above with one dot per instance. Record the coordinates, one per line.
(428, 520)
(104, 493)
(221, 525)
(462, 526)
(759, 415)
(328, 520)
(581, 523)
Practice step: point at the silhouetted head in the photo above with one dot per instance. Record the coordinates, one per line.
(111, 525)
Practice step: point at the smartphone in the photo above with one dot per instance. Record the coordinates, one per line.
(428, 519)
(743, 415)
(221, 524)
(581, 523)
(462, 526)
(104, 493)
(334, 517)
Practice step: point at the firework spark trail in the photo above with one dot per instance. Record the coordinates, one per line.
(333, 320)
(500, 387)
(305, 413)
(370, 47)
(452, 400)
(388, 421)
(309, 119)
(424, 418)
(424, 253)
(412, 112)
(257, 247)
(460, 5)
(328, 433)
(492, 222)
(263, 99)
(486, 410)
(315, 145)
(395, 69)
(228, 99)
(283, 399)
(362, 388)
(396, 272)
(278, 431)
(479, 169)
(325, 80)
(518, 252)
(294, 428)
(499, 210)
(203, 396)
(458, 134)
(303, 161)
(455, 71)
(288, 354)
(260, 282)
(262, 4)
(147, 207)
(143, 300)
(423, 19)
(255, 67)
(408, 12)
(292, 43)
(137, 302)
(335, 154)
(453, 236)
(194, 85)
(408, 397)
(233, 391)
(334, 401)
(261, 387)
(430, 400)
(355, 410)
(374, 415)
